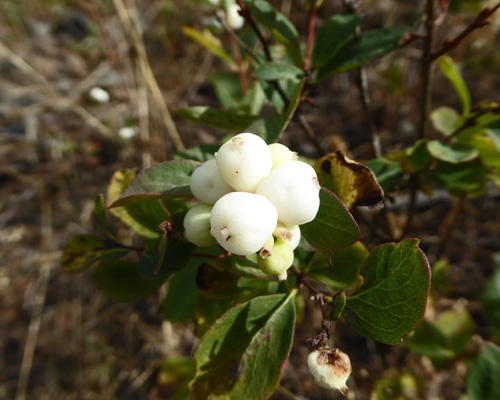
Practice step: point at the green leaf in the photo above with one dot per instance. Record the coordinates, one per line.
(339, 270)
(272, 71)
(268, 128)
(279, 26)
(445, 120)
(351, 181)
(480, 139)
(388, 173)
(452, 153)
(121, 281)
(482, 374)
(227, 89)
(359, 50)
(332, 36)
(491, 301)
(201, 153)
(333, 228)
(245, 350)
(84, 250)
(493, 133)
(338, 305)
(461, 179)
(393, 297)
(453, 74)
(211, 43)
(417, 157)
(170, 178)
(213, 118)
(428, 340)
(164, 259)
(179, 304)
(100, 212)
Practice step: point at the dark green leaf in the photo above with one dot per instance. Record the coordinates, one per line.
(453, 74)
(388, 173)
(179, 304)
(362, 49)
(84, 250)
(482, 374)
(445, 120)
(279, 26)
(351, 181)
(165, 259)
(199, 153)
(333, 228)
(245, 350)
(219, 119)
(417, 157)
(121, 281)
(428, 340)
(268, 128)
(332, 36)
(338, 305)
(339, 270)
(453, 153)
(274, 71)
(170, 178)
(393, 297)
(459, 179)
(491, 301)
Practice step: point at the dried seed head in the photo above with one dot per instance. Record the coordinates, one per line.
(330, 368)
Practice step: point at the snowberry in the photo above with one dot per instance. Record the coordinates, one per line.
(206, 183)
(197, 225)
(290, 234)
(330, 368)
(280, 154)
(243, 222)
(294, 190)
(244, 161)
(279, 260)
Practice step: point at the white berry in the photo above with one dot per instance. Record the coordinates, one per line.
(330, 368)
(294, 190)
(243, 222)
(280, 154)
(197, 225)
(244, 161)
(290, 234)
(206, 183)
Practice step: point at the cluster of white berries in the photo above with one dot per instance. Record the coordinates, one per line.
(254, 198)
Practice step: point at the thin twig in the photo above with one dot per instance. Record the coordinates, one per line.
(310, 36)
(138, 44)
(482, 20)
(39, 300)
(239, 64)
(425, 104)
(304, 124)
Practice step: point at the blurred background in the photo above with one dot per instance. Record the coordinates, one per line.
(88, 87)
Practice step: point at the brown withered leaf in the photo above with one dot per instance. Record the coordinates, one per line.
(354, 183)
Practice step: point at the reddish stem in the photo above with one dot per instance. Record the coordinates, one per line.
(310, 36)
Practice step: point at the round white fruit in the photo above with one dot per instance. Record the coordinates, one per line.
(243, 222)
(244, 161)
(330, 368)
(197, 225)
(290, 234)
(281, 154)
(294, 190)
(206, 183)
